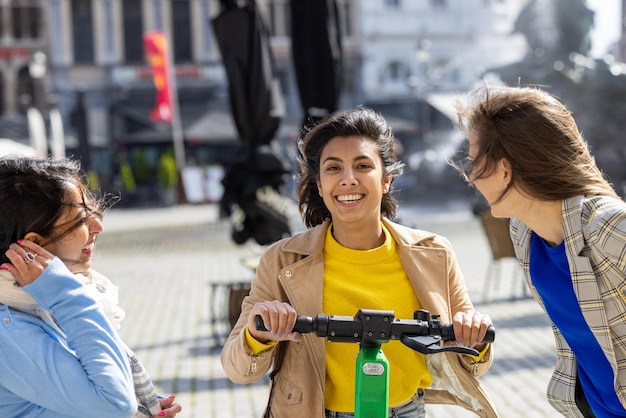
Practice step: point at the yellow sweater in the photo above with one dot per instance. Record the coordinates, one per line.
(369, 279)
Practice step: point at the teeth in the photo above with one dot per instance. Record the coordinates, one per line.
(350, 197)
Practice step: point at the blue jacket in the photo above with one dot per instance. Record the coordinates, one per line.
(595, 245)
(81, 372)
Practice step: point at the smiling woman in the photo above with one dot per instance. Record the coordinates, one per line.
(354, 256)
(352, 182)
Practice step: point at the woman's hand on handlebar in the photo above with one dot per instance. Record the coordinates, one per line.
(470, 328)
(278, 317)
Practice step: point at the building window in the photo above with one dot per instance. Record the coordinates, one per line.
(181, 31)
(26, 21)
(82, 34)
(20, 20)
(397, 72)
(133, 32)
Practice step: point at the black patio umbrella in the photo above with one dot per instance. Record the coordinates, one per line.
(253, 185)
(255, 98)
(317, 57)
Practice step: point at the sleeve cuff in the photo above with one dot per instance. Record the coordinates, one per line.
(481, 354)
(256, 346)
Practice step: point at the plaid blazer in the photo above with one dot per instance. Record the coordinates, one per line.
(595, 244)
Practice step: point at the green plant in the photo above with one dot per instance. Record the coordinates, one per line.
(141, 167)
(167, 174)
(128, 180)
(93, 181)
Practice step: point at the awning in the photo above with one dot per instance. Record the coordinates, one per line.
(445, 103)
(206, 126)
(213, 126)
(10, 147)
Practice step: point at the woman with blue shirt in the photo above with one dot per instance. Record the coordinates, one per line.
(568, 226)
(61, 356)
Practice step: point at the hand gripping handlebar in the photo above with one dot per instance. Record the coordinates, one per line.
(374, 327)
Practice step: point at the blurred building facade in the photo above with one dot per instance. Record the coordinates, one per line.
(22, 32)
(394, 51)
(435, 45)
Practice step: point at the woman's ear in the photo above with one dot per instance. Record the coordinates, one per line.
(34, 237)
(387, 184)
(506, 169)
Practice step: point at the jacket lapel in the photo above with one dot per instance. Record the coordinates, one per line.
(583, 278)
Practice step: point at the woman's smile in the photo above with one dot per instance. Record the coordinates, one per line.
(348, 199)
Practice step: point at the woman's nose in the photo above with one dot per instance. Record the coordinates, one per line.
(348, 177)
(95, 225)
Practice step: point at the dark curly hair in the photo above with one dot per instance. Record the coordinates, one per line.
(361, 121)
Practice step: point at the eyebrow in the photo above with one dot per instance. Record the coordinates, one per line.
(357, 158)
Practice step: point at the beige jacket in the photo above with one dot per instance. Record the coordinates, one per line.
(292, 270)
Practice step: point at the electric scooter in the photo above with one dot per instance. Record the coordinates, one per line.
(371, 328)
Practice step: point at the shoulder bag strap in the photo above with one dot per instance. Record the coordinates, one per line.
(277, 364)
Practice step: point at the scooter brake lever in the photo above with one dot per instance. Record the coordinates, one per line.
(431, 345)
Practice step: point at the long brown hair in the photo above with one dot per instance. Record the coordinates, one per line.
(361, 121)
(533, 130)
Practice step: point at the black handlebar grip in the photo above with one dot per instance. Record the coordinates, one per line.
(490, 336)
(447, 334)
(258, 323)
(303, 324)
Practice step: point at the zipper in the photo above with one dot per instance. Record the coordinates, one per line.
(252, 370)
(475, 369)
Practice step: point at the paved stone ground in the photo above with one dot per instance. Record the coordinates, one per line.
(169, 262)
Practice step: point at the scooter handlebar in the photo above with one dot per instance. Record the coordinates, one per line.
(344, 328)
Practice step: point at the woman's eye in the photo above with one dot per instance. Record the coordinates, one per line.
(87, 216)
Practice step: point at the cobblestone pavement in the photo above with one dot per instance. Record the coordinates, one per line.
(170, 264)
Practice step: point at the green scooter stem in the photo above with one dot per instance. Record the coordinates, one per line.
(372, 384)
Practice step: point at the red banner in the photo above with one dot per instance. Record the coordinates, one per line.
(157, 55)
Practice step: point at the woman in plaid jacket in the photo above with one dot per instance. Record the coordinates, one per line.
(568, 226)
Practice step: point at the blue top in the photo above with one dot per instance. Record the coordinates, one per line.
(46, 374)
(550, 274)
